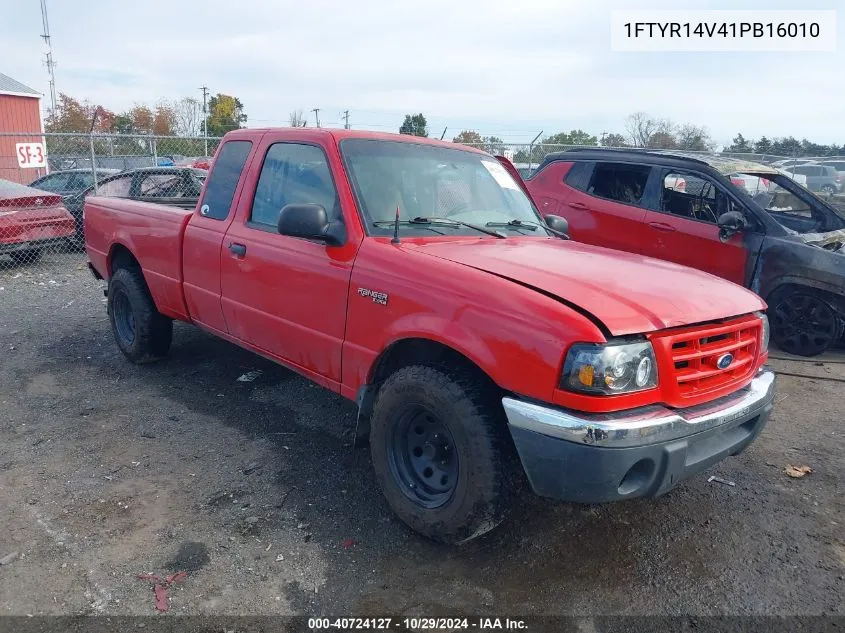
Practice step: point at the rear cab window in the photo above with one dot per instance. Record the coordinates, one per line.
(223, 181)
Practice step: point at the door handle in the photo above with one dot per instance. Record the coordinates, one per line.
(238, 250)
(578, 205)
(662, 227)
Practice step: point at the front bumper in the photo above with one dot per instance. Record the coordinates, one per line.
(594, 458)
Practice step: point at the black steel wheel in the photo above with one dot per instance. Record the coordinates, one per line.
(440, 451)
(803, 323)
(422, 457)
(141, 332)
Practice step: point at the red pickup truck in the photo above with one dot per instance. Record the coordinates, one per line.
(417, 278)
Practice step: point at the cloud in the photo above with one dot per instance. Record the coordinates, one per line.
(504, 68)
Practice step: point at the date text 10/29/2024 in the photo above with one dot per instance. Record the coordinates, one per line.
(417, 624)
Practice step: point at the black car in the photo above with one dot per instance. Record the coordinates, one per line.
(177, 186)
(70, 181)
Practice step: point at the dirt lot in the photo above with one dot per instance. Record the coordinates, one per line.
(108, 470)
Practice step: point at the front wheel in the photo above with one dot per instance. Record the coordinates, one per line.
(829, 190)
(803, 323)
(440, 452)
(142, 333)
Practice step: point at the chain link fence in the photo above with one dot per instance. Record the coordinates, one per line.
(45, 178)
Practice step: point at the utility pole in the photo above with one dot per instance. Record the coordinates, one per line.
(345, 120)
(49, 56)
(205, 117)
(316, 112)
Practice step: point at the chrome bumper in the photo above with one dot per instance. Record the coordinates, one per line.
(643, 426)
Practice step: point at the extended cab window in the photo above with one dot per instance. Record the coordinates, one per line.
(228, 165)
(293, 174)
(619, 182)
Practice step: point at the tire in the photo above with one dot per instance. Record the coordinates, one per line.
(142, 333)
(441, 454)
(31, 256)
(803, 323)
(828, 190)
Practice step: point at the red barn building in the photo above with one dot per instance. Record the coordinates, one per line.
(20, 111)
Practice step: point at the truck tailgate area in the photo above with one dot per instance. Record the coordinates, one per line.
(152, 233)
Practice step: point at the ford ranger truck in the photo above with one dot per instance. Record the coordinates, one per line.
(416, 278)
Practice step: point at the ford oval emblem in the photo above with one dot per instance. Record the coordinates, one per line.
(725, 361)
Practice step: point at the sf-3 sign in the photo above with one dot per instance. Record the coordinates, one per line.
(30, 155)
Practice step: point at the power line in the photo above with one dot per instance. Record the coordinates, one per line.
(50, 63)
(205, 117)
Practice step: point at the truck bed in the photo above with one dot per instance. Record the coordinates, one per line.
(153, 232)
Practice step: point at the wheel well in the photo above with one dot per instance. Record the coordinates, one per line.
(414, 351)
(121, 257)
(837, 302)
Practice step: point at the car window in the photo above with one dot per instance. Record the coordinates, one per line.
(84, 179)
(619, 182)
(231, 158)
(161, 186)
(688, 195)
(117, 188)
(578, 176)
(55, 182)
(828, 171)
(293, 174)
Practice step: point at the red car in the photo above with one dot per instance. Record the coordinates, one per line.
(745, 222)
(417, 279)
(30, 221)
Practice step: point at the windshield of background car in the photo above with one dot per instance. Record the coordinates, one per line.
(788, 202)
(429, 181)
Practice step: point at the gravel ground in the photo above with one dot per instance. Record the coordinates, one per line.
(108, 470)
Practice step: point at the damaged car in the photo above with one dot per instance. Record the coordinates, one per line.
(743, 221)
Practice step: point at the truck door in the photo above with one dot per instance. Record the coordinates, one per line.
(684, 227)
(202, 245)
(286, 296)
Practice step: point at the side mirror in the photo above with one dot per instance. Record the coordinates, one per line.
(731, 223)
(311, 222)
(557, 223)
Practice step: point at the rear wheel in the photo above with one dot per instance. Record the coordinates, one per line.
(440, 452)
(142, 333)
(803, 323)
(29, 256)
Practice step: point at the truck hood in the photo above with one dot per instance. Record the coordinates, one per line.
(628, 293)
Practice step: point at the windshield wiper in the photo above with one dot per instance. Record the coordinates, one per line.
(427, 222)
(529, 225)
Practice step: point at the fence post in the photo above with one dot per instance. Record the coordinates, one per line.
(93, 161)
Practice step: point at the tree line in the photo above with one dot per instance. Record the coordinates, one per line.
(642, 131)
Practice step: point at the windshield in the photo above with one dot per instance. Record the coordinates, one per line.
(426, 181)
(788, 202)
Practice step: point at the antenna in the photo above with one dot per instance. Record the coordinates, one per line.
(395, 239)
(444, 133)
(49, 62)
(316, 112)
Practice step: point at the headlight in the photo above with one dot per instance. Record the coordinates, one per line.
(764, 337)
(609, 369)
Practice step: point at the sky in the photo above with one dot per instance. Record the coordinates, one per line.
(503, 68)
